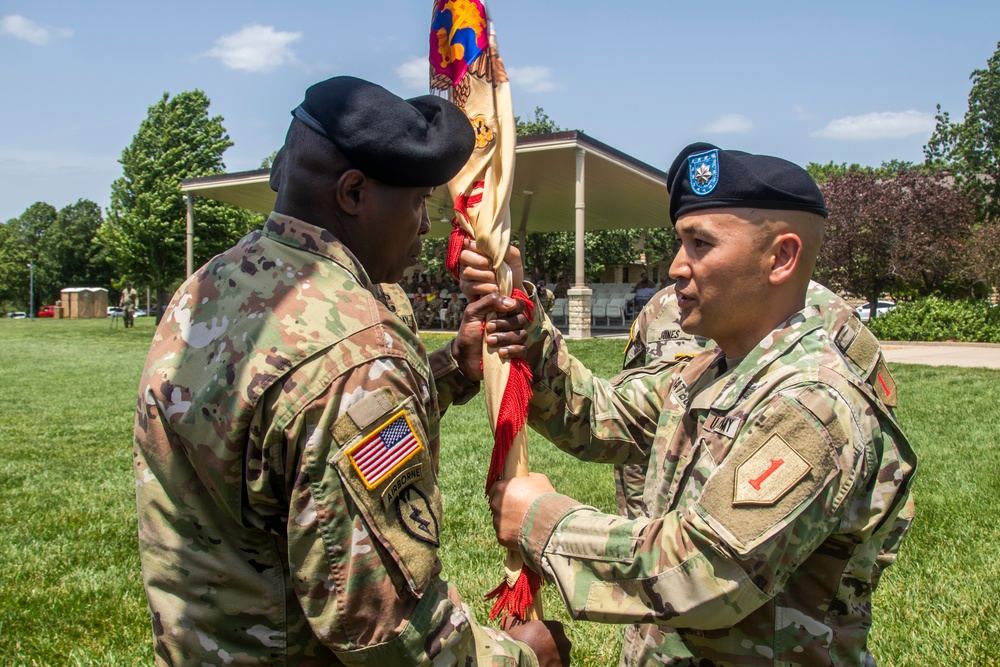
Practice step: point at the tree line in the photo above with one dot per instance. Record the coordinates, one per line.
(904, 229)
(142, 236)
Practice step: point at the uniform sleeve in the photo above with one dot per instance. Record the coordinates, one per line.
(637, 349)
(364, 525)
(586, 416)
(453, 388)
(710, 564)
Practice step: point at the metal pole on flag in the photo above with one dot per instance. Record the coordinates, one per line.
(465, 63)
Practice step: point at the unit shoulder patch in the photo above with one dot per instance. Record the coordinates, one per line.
(769, 473)
(417, 516)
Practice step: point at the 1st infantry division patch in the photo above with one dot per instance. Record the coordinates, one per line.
(770, 472)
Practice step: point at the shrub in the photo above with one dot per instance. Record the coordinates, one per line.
(934, 319)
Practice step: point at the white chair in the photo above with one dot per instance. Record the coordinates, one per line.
(615, 308)
(559, 309)
(599, 308)
(443, 317)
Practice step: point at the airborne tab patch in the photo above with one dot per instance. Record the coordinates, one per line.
(385, 451)
(769, 473)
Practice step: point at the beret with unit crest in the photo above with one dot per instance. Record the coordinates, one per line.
(704, 176)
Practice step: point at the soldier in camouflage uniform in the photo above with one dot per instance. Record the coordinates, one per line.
(777, 474)
(545, 296)
(128, 302)
(432, 312)
(656, 334)
(286, 435)
(455, 309)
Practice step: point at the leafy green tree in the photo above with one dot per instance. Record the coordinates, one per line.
(14, 258)
(539, 124)
(71, 244)
(971, 148)
(900, 233)
(33, 229)
(268, 161)
(144, 232)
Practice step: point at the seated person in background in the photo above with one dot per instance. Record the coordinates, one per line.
(545, 296)
(562, 288)
(455, 309)
(642, 297)
(644, 282)
(432, 312)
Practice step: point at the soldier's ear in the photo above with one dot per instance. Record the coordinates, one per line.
(351, 192)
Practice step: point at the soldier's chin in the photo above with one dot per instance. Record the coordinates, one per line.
(689, 323)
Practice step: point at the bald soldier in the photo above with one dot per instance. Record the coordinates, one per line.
(286, 436)
(776, 474)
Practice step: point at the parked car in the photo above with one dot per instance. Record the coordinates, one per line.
(139, 312)
(17, 315)
(114, 311)
(881, 308)
(47, 311)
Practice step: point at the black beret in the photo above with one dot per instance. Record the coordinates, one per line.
(420, 142)
(705, 176)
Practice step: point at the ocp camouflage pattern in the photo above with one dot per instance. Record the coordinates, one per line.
(260, 544)
(719, 572)
(656, 334)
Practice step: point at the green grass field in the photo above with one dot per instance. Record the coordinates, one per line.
(71, 594)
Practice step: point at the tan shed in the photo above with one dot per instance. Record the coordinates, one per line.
(85, 302)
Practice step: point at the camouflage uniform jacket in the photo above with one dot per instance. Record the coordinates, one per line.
(772, 486)
(456, 308)
(547, 298)
(286, 456)
(129, 299)
(656, 334)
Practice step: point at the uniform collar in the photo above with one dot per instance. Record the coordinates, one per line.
(318, 241)
(773, 346)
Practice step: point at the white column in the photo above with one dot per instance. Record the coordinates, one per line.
(189, 199)
(579, 295)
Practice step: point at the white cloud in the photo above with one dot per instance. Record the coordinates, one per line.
(26, 29)
(730, 123)
(531, 78)
(256, 48)
(415, 73)
(883, 125)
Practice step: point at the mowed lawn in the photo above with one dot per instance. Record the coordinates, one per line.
(71, 593)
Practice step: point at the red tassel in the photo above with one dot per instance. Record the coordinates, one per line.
(515, 600)
(454, 248)
(513, 405)
(462, 205)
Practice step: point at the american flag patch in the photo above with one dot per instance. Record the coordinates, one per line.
(384, 451)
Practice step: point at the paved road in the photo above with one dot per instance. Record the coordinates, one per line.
(971, 355)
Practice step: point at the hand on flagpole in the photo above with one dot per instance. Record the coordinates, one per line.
(505, 333)
(476, 275)
(510, 500)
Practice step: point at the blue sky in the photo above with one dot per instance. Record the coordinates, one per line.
(812, 82)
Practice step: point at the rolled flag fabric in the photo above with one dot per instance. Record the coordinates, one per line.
(466, 65)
